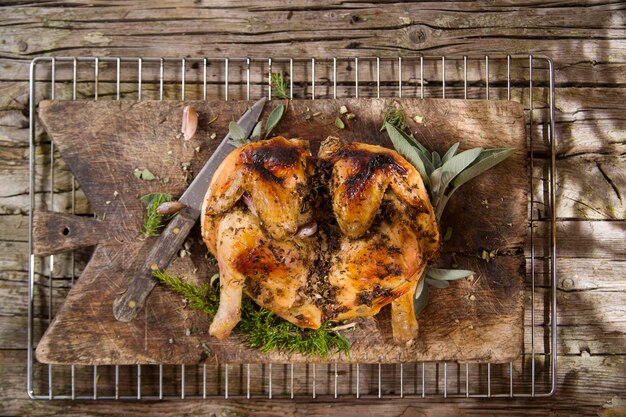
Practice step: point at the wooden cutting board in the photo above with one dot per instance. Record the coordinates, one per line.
(103, 142)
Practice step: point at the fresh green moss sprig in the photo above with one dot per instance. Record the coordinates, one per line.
(262, 328)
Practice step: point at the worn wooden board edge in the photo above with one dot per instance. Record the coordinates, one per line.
(46, 355)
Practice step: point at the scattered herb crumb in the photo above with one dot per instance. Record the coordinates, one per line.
(350, 116)
(144, 174)
(213, 120)
(343, 110)
(448, 234)
(213, 136)
(418, 118)
(339, 123)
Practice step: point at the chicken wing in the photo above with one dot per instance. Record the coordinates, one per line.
(274, 174)
(361, 174)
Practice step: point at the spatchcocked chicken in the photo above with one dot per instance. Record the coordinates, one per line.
(315, 239)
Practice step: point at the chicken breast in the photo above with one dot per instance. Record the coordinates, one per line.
(369, 233)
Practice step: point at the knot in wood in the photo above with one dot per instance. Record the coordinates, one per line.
(417, 36)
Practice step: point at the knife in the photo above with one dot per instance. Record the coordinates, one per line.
(127, 305)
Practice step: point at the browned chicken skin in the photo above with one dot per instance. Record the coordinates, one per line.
(375, 232)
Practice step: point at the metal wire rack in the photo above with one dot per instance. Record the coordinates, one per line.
(527, 79)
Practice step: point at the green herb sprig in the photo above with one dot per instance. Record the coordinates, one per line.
(153, 221)
(442, 176)
(280, 85)
(200, 297)
(394, 117)
(262, 328)
(238, 136)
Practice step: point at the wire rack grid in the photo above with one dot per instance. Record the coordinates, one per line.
(524, 78)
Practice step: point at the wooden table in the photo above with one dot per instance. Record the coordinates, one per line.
(588, 47)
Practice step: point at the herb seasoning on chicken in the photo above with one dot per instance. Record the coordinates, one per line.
(312, 241)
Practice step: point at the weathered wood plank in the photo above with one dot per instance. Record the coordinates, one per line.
(582, 239)
(592, 124)
(356, 29)
(579, 393)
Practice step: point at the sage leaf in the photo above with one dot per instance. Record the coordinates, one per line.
(447, 274)
(404, 148)
(256, 132)
(339, 123)
(421, 300)
(456, 165)
(146, 175)
(485, 161)
(425, 157)
(449, 171)
(423, 153)
(436, 159)
(417, 144)
(273, 119)
(437, 283)
(435, 184)
(450, 153)
(236, 132)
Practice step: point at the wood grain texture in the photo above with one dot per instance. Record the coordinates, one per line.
(486, 328)
(589, 66)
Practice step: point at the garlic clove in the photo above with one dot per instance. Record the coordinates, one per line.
(307, 230)
(190, 122)
(170, 207)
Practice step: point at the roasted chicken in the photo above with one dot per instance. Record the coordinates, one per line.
(314, 240)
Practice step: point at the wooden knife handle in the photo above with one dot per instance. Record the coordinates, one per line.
(129, 304)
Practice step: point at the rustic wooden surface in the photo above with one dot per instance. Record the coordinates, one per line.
(588, 48)
(452, 328)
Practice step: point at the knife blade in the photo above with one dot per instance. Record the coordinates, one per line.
(129, 304)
